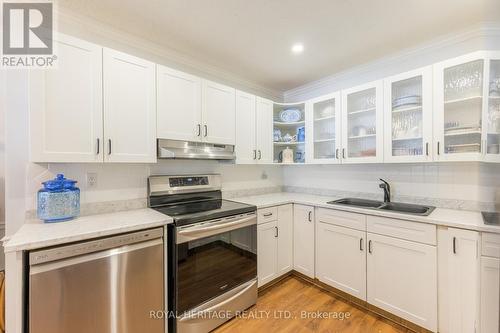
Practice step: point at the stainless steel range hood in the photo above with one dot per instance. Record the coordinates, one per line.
(168, 149)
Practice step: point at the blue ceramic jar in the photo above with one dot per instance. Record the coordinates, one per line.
(58, 200)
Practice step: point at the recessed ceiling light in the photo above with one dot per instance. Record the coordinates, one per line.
(298, 48)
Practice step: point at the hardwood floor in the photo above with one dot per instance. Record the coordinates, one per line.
(297, 296)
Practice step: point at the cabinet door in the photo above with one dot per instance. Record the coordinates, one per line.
(402, 279)
(323, 127)
(264, 131)
(178, 112)
(341, 258)
(490, 291)
(408, 116)
(129, 108)
(458, 108)
(285, 239)
(491, 132)
(458, 280)
(267, 252)
(218, 113)
(362, 124)
(303, 239)
(66, 105)
(246, 152)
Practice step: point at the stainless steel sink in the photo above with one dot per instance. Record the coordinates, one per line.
(396, 207)
(407, 208)
(358, 202)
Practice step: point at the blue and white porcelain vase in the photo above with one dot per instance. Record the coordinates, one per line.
(58, 200)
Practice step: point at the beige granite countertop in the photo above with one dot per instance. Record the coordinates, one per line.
(36, 234)
(471, 220)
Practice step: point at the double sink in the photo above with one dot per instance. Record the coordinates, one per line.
(396, 207)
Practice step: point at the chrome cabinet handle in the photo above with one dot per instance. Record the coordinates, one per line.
(260, 154)
(427, 148)
(438, 148)
(361, 244)
(455, 245)
(370, 246)
(98, 150)
(343, 152)
(109, 146)
(337, 153)
(276, 234)
(268, 214)
(206, 130)
(199, 130)
(309, 217)
(255, 154)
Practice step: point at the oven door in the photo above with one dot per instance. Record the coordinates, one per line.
(213, 258)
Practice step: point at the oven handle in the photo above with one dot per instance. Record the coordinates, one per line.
(207, 229)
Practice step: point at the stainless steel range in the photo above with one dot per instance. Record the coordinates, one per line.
(213, 251)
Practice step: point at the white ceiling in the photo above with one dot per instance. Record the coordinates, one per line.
(252, 38)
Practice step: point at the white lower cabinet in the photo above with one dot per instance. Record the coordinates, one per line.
(303, 239)
(458, 280)
(341, 258)
(490, 283)
(267, 252)
(401, 279)
(285, 239)
(490, 294)
(274, 243)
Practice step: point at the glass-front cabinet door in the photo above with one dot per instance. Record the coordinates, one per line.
(362, 124)
(492, 116)
(323, 128)
(458, 112)
(408, 116)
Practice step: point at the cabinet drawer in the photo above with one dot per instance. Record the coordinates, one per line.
(490, 245)
(267, 214)
(413, 231)
(343, 219)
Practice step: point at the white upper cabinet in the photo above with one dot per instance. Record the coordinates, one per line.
(459, 278)
(491, 132)
(179, 105)
(246, 151)
(218, 113)
(408, 116)
(129, 108)
(459, 88)
(323, 128)
(362, 124)
(66, 105)
(264, 131)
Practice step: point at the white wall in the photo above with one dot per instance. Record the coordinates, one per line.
(462, 185)
(117, 182)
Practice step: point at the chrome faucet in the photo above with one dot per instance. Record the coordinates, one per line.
(387, 190)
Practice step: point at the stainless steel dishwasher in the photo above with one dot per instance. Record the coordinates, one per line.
(107, 285)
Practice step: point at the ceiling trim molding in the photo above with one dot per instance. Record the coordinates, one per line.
(171, 55)
(485, 30)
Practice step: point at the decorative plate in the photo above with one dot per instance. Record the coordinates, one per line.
(406, 101)
(290, 115)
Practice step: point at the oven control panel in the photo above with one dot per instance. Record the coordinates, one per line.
(188, 181)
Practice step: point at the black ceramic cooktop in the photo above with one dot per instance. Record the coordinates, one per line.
(204, 210)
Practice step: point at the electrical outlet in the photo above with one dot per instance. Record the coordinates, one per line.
(91, 179)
